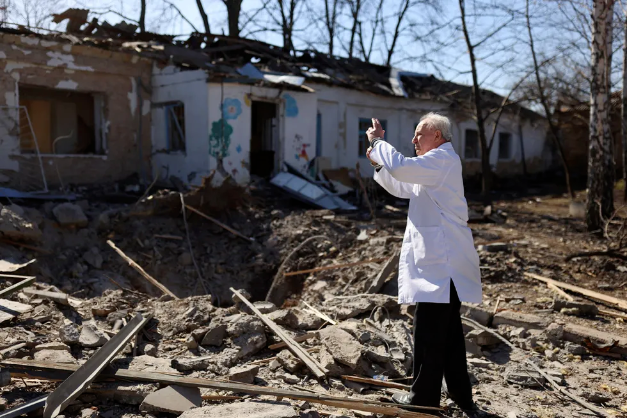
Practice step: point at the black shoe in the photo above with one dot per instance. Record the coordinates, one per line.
(402, 398)
(474, 412)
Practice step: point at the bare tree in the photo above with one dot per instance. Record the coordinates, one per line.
(367, 52)
(288, 20)
(233, 9)
(142, 17)
(330, 20)
(600, 201)
(355, 8)
(397, 30)
(545, 105)
(203, 15)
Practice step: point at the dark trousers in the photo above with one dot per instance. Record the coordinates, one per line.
(439, 350)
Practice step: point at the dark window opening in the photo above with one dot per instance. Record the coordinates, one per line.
(505, 146)
(471, 149)
(364, 124)
(263, 138)
(175, 126)
(60, 121)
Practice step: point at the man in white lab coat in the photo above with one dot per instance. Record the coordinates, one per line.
(439, 266)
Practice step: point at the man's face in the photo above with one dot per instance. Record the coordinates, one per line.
(426, 139)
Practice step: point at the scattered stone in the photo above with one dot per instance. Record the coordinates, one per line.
(173, 400)
(482, 338)
(191, 342)
(5, 378)
(597, 397)
(125, 393)
(289, 361)
(92, 337)
(354, 386)
(343, 347)
(577, 334)
(578, 308)
(215, 336)
(274, 365)
(54, 356)
(193, 363)
(284, 317)
(93, 258)
(244, 293)
(524, 377)
(51, 346)
(478, 313)
(245, 374)
(185, 259)
(575, 349)
(257, 409)
(378, 354)
(519, 332)
(89, 413)
(263, 307)
(250, 343)
(309, 413)
(554, 333)
(473, 348)
(288, 378)
(16, 227)
(244, 324)
(550, 355)
(306, 320)
(480, 363)
(69, 214)
(150, 350)
(517, 319)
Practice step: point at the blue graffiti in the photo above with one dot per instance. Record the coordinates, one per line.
(231, 108)
(291, 107)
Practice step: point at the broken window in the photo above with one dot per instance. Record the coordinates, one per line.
(505, 146)
(175, 126)
(364, 124)
(61, 121)
(471, 148)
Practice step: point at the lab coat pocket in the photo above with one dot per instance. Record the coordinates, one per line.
(429, 245)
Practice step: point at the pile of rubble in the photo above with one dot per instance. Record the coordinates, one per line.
(334, 343)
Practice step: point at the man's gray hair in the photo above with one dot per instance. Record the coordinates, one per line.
(438, 122)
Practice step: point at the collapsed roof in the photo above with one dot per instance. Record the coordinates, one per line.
(256, 62)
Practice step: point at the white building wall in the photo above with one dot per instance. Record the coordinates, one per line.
(189, 87)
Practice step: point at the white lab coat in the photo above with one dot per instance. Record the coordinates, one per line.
(438, 244)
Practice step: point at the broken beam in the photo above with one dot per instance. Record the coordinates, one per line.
(38, 369)
(17, 286)
(387, 269)
(560, 292)
(217, 222)
(293, 346)
(335, 266)
(320, 314)
(141, 271)
(376, 382)
(621, 303)
(298, 339)
(61, 298)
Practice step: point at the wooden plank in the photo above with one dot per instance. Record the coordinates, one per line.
(61, 298)
(141, 271)
(560, 292)
(320, 314)
(17, 286)
(612, 314)
(298, 339)
(387, 269)
(217, 222)
(28, 247)
(621, 303)
(165, 236)
(10, 309)
(335, 266)
(376, 382)
(311, 363)
(58, 371)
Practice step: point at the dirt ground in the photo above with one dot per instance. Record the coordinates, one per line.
(536, 236)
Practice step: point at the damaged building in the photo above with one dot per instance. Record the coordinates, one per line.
(77, 107)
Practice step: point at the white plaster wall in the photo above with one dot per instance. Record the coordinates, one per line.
(9, 131)
(296, 125)
(189, 87)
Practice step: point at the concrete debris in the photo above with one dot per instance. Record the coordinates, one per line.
(482, 338)
(286, 317)
(150, 350)
(250, 343)
(215, 335)
(289, 361)
(244, 324)
(494, 247)
(518, 319)
(245, 374)
(288, 378)
(477, 313)
(524, 377)
(51, 346)
(263, 306)
(93, 257)
(70, 215)
(91, 336)
(172, 399)
(193, 363)
(124, 393)
(54, 356)
(257, 409)
(344, 348)
(576, 308)
(5, 378)
(69, 334)
(17, 227)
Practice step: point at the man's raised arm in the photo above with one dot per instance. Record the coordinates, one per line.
(425, 169)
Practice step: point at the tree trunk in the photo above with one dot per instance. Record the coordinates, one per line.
(397, 32)
(233, 9)
(600, 201)
(203, 15)
(287, 22)
(547, 110)
(142, 17)
(486, 177)
(355, 8)
(624, 110)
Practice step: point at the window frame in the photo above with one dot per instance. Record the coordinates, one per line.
(510, 155)
(167, 108)
(364, 139)
(478, 150)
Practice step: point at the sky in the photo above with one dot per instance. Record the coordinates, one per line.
(431, 41)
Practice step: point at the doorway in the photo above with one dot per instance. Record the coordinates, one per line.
(263, 139)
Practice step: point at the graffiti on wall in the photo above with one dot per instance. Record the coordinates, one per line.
(231, 108)
(300, 152)
(219, 142)
(291, 106)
